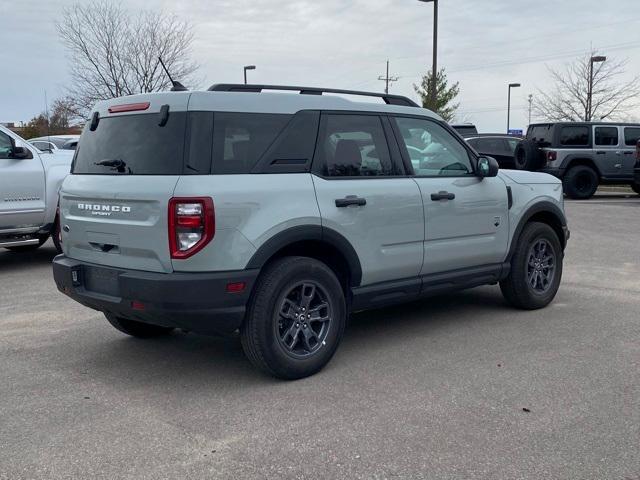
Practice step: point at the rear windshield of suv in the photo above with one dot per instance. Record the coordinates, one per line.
(134, 145)
(540, 133)
(193, 143)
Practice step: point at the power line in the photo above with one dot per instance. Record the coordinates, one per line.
(387, 79)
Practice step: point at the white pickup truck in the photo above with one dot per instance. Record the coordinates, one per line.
(29, 185)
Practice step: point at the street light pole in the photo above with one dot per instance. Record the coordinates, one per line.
(594, 59)
(248, 67)
(511, 85)
(434, 67)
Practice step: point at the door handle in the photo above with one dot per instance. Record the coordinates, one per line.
(600, 152)
(628, 153)
(442, 195)
(350, 200)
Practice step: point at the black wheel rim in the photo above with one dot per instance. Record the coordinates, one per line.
(541, 266)
(302, 319)
(584, 183)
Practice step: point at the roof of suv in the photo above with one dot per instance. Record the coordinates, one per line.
(622, 124)
(251, 101)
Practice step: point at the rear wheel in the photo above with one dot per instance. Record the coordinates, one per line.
(56, 235)
(580, 182)
(296, 318)
(536, 268)
(137, 329)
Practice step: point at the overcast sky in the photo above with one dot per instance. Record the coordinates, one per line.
(484, 44)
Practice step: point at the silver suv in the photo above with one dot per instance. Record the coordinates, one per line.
(277, 214)
(582, 154)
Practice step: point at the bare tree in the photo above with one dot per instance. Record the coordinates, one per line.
(569, 100)
(114, 53)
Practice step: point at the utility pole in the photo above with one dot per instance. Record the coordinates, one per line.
(530, 104)
(387, 79)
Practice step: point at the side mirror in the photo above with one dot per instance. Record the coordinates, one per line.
(487, 167)
(20, 153)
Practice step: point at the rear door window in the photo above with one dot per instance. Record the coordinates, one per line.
(133, 145)
(574, 136)
(631, 136)
(606, 136)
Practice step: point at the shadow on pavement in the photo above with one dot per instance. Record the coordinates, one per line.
(10, 261)
(197, 362)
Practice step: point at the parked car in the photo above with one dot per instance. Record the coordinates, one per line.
(637, 165)
(582, 154)
(465, 129)
(499, 146)
(278, 214)
(29, 185)
(55, 142)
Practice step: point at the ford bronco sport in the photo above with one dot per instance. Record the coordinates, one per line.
(277, 214)
(582, 155)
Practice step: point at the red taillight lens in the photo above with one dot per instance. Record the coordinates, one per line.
(129, 107)
(191, 225)
(552, 156)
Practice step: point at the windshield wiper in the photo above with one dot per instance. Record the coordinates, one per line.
(116, 164)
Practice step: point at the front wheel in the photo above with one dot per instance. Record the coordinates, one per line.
(536, 268)
(296, 318)
(635, 187)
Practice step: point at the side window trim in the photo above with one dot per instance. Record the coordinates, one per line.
(473, 159)
(317, 164)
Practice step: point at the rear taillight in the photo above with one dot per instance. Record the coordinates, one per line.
(552, 156)
(191, 225)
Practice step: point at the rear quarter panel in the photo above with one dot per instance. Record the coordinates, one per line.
(249, 210)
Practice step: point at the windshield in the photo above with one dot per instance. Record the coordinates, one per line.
(133, 145)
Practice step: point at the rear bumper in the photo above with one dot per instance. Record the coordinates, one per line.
(193, 301)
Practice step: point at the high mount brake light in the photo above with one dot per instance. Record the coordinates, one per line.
(129, 107)
(191, 225)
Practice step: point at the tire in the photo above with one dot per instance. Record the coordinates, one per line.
(635, 187)
(29, 248)
(137, 329)
(580, 182)
(528, 156)
(273, 338)
(56, 235)
(517, 288)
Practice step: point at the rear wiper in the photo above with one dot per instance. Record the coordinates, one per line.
(116, 164)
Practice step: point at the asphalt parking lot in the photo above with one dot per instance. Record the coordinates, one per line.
(435, 389)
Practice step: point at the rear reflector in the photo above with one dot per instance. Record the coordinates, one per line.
(137, 305)
(128, 107)
(191, 225)
(236, 287)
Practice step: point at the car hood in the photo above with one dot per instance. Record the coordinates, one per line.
(524, 177)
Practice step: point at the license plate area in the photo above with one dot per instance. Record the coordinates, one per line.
(102, 280)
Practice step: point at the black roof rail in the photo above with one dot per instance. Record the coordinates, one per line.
(240, 87)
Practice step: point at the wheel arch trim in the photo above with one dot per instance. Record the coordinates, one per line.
(547, 208)
(303, 233)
